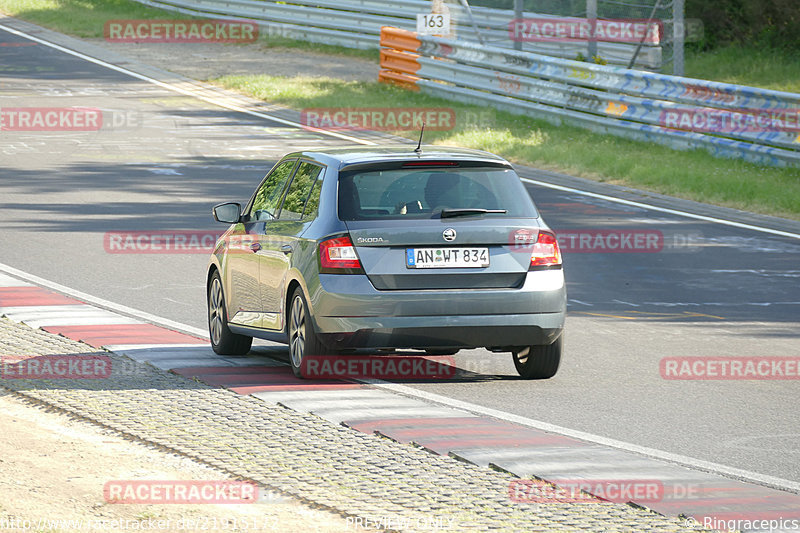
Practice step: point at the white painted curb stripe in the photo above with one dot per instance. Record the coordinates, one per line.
(388, 401)
(119, 348)
(65, 315)
(380, 413)
(287, 396)
(8, 281)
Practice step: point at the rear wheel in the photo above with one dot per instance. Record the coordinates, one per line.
(223, 340)
(538, 361)
(303, 340)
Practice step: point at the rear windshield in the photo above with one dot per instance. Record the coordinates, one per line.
(424, 193)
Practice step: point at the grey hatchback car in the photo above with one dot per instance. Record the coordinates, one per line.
(439, 250)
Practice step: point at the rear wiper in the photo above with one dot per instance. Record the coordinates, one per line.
(448, 213)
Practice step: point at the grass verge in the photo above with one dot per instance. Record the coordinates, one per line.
(746, 66)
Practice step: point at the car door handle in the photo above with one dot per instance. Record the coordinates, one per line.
(255, 247)
(287, 249)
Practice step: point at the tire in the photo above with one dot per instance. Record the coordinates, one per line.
(303, 340)
(539, 361)
(223, 340)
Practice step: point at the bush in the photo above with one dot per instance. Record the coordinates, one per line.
(766, 24)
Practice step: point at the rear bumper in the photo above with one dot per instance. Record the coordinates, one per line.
(455, 332)
(349, 313)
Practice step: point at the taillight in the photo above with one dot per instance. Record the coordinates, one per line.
(338, 256)
(545, 252)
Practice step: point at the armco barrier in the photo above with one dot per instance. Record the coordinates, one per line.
(619, 101)
(357, 24)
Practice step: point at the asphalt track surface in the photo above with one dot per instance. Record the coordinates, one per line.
(163, 158)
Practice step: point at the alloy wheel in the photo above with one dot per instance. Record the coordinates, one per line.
(297, 331)
(215, 311)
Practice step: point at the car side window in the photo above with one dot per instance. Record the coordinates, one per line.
(268, 197)
(302, 197)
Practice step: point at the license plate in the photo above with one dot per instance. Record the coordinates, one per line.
(447, 257)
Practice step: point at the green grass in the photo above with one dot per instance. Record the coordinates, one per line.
(747, 66)
(83, 18)
(695, 174)
(284, 43)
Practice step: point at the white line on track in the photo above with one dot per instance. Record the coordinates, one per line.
(408, 391)
(221, 103)
(736, 473)
(216, 101)
(663, 209)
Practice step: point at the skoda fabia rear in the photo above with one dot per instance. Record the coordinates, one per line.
(438, 250)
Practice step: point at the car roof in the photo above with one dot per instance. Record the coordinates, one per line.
(340, 157)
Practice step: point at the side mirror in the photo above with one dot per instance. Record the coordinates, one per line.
(228, 213)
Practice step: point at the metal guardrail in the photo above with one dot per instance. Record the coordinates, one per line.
(629, 103)
(357, 24)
